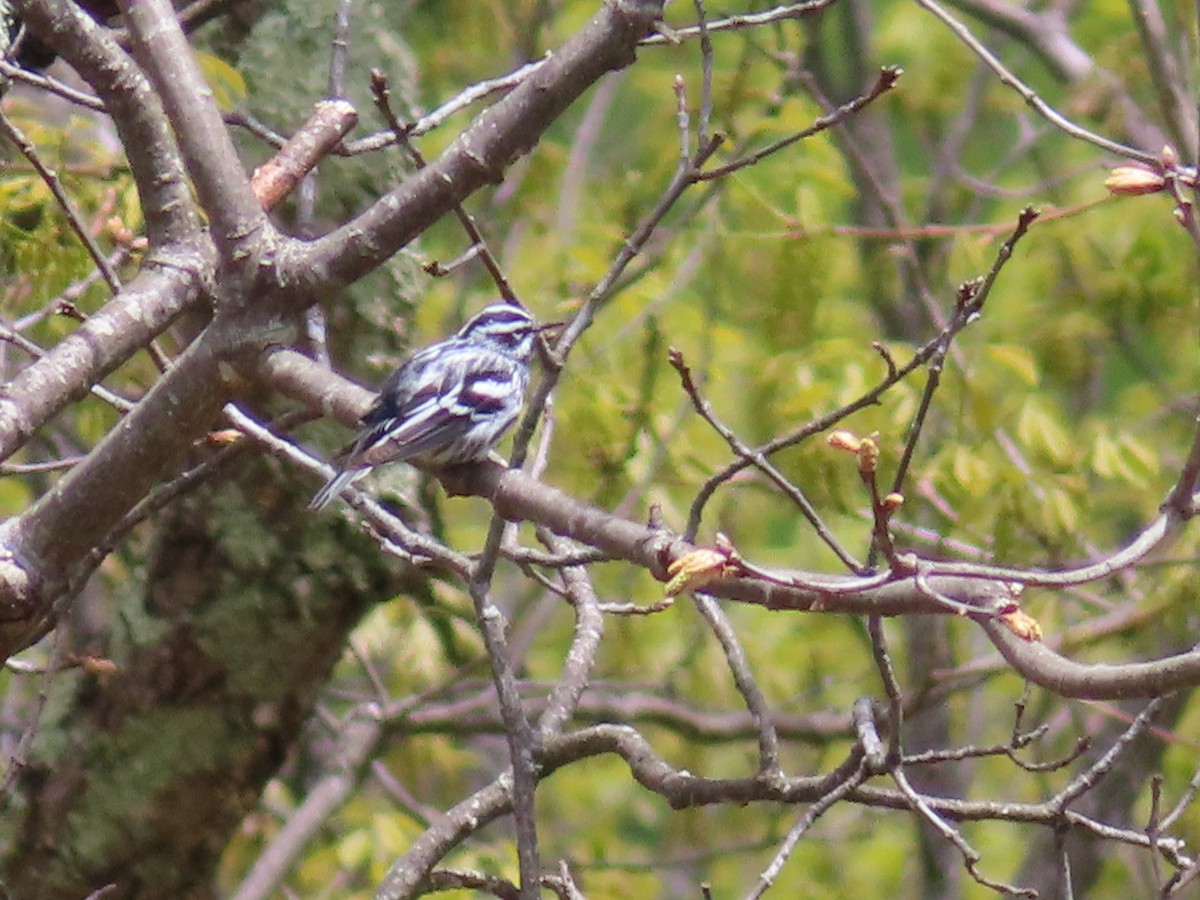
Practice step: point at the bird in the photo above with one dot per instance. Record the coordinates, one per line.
(449, 403)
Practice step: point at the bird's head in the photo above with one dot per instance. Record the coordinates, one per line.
(505, 327)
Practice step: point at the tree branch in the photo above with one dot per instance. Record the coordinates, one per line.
(135, 108)
(222, 184)
(480, 155)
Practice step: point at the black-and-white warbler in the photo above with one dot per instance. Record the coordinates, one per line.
(449, 403)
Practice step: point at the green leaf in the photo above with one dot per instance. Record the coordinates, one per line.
(1060, 512)
(1017, 360)
(971, 472)
(354, 849)
(1044, 434)
(228, 85)
(1124, 458)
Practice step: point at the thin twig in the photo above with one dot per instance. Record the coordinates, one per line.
(388, 528)
(379, 89)
(9, 129)
(891, 685)
(116, 401)
(1027, 93)
(797, 831)
(704, 410)
(888, 76)
(782, 13)
(743, 678)
(517, 729)
(970, 855)
(53, 465)
(1087, 779)
(340, 53)
(11, 71)
(589, 628)
(1185, 800)
(21, 755)
(706, 72)
(967, 309)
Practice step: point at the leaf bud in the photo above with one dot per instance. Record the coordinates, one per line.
(844, 440)
(1134, 179)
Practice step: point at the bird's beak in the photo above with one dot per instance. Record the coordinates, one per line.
(554, 327)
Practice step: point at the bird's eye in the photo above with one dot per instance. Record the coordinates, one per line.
(513, 337)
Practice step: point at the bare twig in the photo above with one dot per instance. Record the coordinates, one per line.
(23, 144)
(970, 302)
(1027, 93)
(891, 686)
(887, 80)
(705, 411)
(589, 627)
(739, 667)
(836, 793)
(970, 855)
(782, 13)
(1090, 777)
(479, 247)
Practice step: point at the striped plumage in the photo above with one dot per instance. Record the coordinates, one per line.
(449, 403)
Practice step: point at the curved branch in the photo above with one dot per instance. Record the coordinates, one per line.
(475, 713)
(681, 790)
(517, 497)
(1027, 94)
(564, 701)
(1066, 678)
(1045, 34)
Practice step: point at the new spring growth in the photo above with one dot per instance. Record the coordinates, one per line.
(1021, 624)
(694, 570)
(1133, 179)
(866, 449)
(868, 455)
(844, 440)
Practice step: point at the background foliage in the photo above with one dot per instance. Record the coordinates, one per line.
(1062, 420)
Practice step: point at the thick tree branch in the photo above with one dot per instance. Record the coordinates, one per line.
(1067, 678)
(221, 182)
(517, 497)
(497, 137)
(82, 508)
(44, 544)
(135, 108)
(170, 280)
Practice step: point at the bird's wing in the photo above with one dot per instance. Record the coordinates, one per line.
(424, 406)
(433, 424)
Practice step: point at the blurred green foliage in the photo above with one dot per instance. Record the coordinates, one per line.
(47, 276)
(1062, 417)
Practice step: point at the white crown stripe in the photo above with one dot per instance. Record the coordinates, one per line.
(452, 401)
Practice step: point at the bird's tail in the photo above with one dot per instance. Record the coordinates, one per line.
(332, 488)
